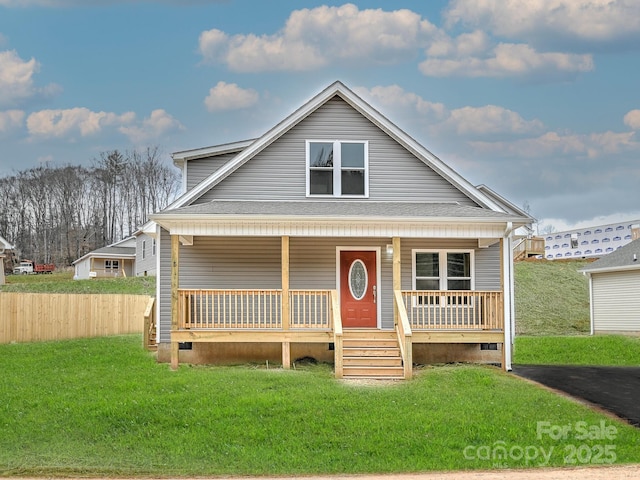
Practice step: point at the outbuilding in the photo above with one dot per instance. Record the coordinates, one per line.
(614, 291)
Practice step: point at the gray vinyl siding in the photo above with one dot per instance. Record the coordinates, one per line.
(164, 286)
(201, 168)
(254, 262)
(146, 265)
(616, 301)
(488, 268)
(231, 262)
(487, 260)
(313, 266)
(279, 171)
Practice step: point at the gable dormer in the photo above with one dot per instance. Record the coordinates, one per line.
(338, 147)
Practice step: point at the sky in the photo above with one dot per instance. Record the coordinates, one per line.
(539, 100)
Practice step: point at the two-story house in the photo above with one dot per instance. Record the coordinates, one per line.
(335, 235)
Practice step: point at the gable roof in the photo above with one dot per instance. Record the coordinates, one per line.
(624, 258)
(5, 245)
(193, 154)
(340, 90)
(115, 250)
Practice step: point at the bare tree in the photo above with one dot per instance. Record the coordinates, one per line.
(57, 214)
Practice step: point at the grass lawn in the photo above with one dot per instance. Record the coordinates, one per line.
(613, 350)
(551, 298)
(63, 282)
(105, 407)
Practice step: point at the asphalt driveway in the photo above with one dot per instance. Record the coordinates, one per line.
(615, 389)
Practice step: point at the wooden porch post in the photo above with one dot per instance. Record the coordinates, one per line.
(397, 269)
(286, 346)
(175, 284)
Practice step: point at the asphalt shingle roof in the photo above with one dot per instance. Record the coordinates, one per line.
(338, 209)
(115, 251)
(623, 257)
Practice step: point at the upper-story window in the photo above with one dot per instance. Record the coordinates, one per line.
(337, 168)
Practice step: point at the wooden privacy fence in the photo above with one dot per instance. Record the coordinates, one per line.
(32, 317)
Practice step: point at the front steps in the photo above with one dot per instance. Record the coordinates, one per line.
(371, 354)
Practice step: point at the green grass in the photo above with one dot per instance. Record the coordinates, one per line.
(553, 323)
(63, 282)
(614, 350)
(551, 298)
(105, 407)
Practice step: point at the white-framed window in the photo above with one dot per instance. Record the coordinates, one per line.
(337, 168)
(437, 270)
(112, 265)
(144, 249)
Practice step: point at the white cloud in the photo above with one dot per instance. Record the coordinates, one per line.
(465, 45)
(11, 119)
(153, 127)
(16, 77)
(69, 124)
(632, 119)
(73, 121)
(465, 121)
(505, 60)
(229, 96)
(313, 38)
(490, 119)
(395, 97)
(566, 23)
(554, 144)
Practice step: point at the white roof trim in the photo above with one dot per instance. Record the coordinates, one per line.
(337, 88)
(260, 228)
(610, 269)
(5, 245)
(120, 242)
(123, 256)
(180, 157)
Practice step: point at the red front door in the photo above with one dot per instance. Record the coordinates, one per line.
(358, 289)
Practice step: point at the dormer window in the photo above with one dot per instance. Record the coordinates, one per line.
(337, 168)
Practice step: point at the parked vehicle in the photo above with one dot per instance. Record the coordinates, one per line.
(27, 267)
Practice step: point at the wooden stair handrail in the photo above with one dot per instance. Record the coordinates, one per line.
(337, 334)
(403, 330)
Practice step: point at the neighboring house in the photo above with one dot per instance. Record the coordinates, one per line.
(335, 235)
(4, 247)
(589, 242)
(115, 260)
(614, 291)
(146, 250)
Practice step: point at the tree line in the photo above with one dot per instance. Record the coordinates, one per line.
(56, 214)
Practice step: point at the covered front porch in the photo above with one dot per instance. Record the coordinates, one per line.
(294, 316)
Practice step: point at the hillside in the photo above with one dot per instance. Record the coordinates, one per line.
(552, 298)
(62, 282)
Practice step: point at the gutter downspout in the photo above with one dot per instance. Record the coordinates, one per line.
(592, 326)
(509, 307)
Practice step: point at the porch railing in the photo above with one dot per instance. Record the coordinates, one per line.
(454, 309)
(310, 309)
(257, 309)
(403, 331)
